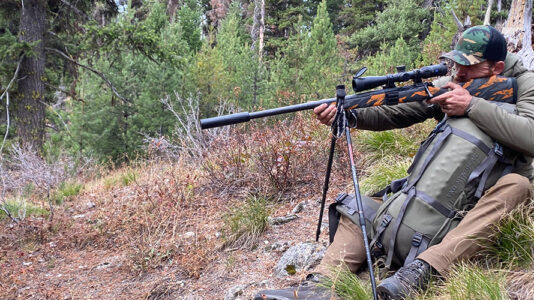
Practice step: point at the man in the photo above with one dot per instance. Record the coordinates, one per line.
(480, 53)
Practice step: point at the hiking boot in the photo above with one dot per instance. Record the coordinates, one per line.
(309, 290)
(407, 281)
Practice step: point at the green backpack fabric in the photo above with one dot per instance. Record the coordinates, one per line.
(450, 172)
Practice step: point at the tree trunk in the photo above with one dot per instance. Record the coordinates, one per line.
(172, 6)
(30, 119)
(518, 31)
(488, 13)
(257, 32)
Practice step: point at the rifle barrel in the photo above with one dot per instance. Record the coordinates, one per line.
(246, 116)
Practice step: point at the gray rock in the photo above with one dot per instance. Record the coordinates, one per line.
(235, 292)
(300, 257)
(278, 246)
(298, 208)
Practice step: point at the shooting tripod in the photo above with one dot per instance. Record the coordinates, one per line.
(340, 127)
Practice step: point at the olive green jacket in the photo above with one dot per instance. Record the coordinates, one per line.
(514, 131)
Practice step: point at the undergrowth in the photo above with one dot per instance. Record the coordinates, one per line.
(271, 160)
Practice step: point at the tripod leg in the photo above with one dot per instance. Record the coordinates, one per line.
(359, 203)
(325, 187)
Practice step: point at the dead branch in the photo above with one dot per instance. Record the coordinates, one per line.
(75, 9)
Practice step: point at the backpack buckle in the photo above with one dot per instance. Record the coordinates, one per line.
(341, 197)
(417, 239)
(497, 148)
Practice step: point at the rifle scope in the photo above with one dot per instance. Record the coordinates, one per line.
(370, 82)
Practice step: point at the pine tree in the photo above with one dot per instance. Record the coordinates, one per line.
(323, 64)
(240, 62)
(400, 19)
(357, 14)
(189, 17)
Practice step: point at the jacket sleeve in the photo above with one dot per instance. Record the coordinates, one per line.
(513, 130)
(379, 118)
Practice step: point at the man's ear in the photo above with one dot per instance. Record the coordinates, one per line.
(498, 67)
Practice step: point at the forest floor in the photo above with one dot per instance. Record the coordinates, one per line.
(70, 261)
(156, 230)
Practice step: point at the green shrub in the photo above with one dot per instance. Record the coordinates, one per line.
(243, 225)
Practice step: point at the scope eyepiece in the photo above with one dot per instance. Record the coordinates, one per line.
(366, 83)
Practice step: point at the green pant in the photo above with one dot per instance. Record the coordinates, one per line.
(460, 243)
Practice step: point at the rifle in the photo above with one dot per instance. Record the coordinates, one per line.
(498, 88)
(495, 88)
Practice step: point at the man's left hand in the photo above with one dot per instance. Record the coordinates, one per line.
(453, 102)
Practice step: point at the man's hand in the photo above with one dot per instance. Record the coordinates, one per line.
(453, 102)
(325, 113)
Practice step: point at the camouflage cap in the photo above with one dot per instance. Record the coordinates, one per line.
(478, 44)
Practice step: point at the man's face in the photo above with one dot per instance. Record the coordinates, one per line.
(480, 70)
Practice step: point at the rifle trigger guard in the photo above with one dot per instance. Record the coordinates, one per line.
(430, 95)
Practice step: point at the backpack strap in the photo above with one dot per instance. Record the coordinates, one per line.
(484, 169)
(419, 244)
(393, 187)
(345, 204)
(400, 217)
(380, 230)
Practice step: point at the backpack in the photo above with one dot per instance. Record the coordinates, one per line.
(450, 172)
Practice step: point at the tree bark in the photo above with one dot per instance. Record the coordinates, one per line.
(172, 6)
(518, 31)
(488, 13)
(258, 26)
(30, 118)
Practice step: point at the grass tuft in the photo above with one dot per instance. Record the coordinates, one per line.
(513, 243)
(243, 225)
(20, 209)
(468, 281)
(65, 191)
(348, 286)
(382, 173)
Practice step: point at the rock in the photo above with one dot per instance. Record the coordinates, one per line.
(300, 257)
(90, 204)
(189, 234)
(278, 246)
(235, 292)
(298, 208)
(281, 220)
